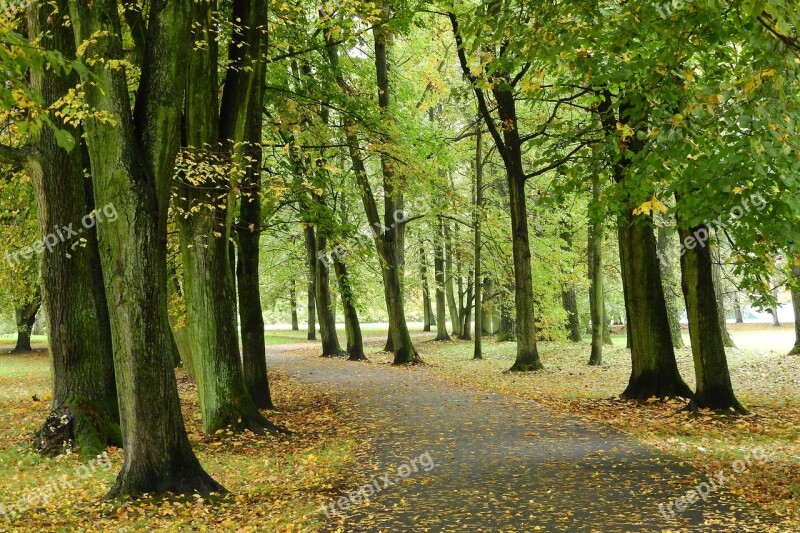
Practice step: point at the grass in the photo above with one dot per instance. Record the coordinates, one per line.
(278, 484)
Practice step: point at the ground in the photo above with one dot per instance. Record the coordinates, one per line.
(551, 450)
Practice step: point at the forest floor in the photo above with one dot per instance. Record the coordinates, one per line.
(276, 484)
(554, 451)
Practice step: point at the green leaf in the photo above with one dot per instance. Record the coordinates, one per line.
(64, 139)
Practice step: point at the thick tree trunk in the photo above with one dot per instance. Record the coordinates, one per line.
(570, 302)
(714, 388)
(84, 413)
(527, 351)
(158, 456)
(25, 317)
(325, 309)
(674, 304)
(355, 342)
(719, 294)
(796, 305)
(251, 314)
(655, 371)
(205, 227)
(596, 295)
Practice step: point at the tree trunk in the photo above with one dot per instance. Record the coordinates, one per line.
(216, 138)
(487, 307)
(439, 278)
(355, 342)
(26, 316)
(714, 389)
(796, 304)
(570, 302)
(311, 252)
(674, 306)
(527, 351)
(655, 371)
(427, 310)
(248, 238)
(293, 305)
(507, 331)
(737, 307)
(158, 456)
(596, 296)
(719, 294)
(466, 315)
(478, 219)
(452, 305)
(325, 309)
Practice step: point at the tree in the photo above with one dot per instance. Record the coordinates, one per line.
(714, 389)
(158, 457)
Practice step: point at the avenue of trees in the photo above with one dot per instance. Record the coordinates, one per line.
(532, 171)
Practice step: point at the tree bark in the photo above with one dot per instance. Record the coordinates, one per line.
(427, 310)
(596, 281)
(655, 371)
(477, 222)
(449, 285)
(714, 388)
(293, 305)
(205, 228)
(402, 346)
(487, 307)
(674, 306)
(25, 317)
(158, 456)
(439, 277)
(355, 342)
(325, 309)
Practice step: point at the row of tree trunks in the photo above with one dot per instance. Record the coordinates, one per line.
(215, 136)
(158, 456)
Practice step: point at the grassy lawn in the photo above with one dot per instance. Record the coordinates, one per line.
(277, 484)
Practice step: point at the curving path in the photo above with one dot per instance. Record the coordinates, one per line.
(501, 464)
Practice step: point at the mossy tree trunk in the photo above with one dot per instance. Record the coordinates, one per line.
(158, 456)
(596, 281)
(215, 137)
(84, 412)
(714, 388)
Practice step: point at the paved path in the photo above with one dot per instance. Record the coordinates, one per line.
(501, 464)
